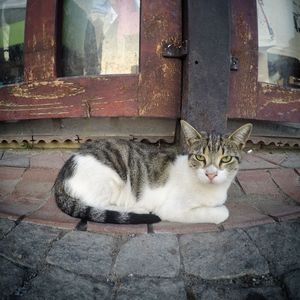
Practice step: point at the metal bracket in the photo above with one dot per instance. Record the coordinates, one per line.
(234, 63)
(171, 50)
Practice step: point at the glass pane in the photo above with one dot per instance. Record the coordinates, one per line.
(279, 42)
(12, 25)
(100, 37)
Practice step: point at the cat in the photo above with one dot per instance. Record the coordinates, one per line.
(125, 182)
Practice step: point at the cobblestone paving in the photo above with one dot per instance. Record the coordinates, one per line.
(255, 254)
(41, 262)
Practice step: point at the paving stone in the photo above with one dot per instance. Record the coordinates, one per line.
(273, 156)
(252, 162)
(149, 255)
(235, 191)
(40, 175)
(5, 226)
(244, 215)
(257, 182)
(11, 173)
(59, 284)
(279, 243)
(7, 187)
(47, 159)
(221, 255)
(15, 159)
(151, 289)
(280, 211)
(291, 282)
(13, 208)
(117, 228)
(288, 181)
(30, 193)
(83, 253)
(292, 160)
(50, 214)
(27, 244)
(181, 228)
(36, 183)
(11, 277)
(9, 177)
(229, 293)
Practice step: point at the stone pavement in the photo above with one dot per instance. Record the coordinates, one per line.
(255, 254)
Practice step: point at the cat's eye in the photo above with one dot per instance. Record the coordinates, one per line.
(226, 159)
(200, 157)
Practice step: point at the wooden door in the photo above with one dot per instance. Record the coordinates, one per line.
(153, 91)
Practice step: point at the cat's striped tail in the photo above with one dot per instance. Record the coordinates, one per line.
(76, 209)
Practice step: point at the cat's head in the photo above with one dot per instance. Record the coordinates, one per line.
(215, 158)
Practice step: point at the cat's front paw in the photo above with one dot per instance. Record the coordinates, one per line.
(221, 214)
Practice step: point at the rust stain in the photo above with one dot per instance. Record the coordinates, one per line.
(47, 90)
(153, 24)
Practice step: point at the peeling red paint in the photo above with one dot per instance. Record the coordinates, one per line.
(160, 79)
(153, 92)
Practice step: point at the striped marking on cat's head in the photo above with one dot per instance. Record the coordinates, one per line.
(213, 153)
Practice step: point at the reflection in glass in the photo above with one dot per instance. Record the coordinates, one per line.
(12, 25)
(279, 42)
(100, 37)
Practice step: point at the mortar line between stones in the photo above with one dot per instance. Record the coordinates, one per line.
(47, 198)
(33, 273)
(189, 293)
(16, 223)
(278, 279)
(260, 253)
(18, 264)
(270, 161)
(118, 243)
(278, 186)
(240, 186)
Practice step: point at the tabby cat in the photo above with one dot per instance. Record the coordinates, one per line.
(124, 182)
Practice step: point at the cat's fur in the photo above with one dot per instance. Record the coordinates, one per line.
(118, 181)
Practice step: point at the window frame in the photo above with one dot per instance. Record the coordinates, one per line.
(154, 92)
(249, 98)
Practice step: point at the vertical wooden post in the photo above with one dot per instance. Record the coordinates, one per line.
(40, 40)
(206, 69)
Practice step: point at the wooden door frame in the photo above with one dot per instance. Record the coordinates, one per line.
(154, 92)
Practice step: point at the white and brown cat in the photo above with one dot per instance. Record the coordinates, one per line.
(124, 182)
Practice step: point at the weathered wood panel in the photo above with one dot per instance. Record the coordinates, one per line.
(279, 104)
(159, 91)
(76, 97)
(155, 91)
(249, 98)
(40, 40)
(243, 83)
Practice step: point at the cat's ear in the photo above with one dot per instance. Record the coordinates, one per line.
(191, 135)
(241, 135)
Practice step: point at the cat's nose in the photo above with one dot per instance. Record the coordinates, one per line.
(211, 176)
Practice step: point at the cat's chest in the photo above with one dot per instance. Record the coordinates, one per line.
(206, 195)
(182, 195)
